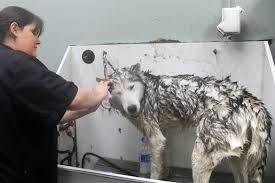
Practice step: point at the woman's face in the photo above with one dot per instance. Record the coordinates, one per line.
(26, 40)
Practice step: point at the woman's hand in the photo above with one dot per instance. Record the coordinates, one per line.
(100, 91)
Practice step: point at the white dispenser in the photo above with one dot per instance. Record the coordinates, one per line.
(231, 21)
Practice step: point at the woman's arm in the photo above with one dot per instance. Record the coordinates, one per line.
(85, 102)
(89, 98)
(73, 115)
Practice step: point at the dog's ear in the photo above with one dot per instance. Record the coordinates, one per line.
(135, 68)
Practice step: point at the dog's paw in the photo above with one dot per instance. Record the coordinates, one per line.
(166, 174)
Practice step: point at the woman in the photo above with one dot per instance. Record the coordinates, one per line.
(34, 100)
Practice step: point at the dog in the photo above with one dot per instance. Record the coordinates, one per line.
(230, 122)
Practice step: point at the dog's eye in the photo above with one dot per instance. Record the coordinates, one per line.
(111, 87)
(118, 93)
(131, 87)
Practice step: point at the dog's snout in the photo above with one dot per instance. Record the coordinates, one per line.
(132, 109)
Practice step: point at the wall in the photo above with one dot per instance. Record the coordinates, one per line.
(124, 21)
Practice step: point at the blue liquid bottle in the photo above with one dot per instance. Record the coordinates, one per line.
(144, 158)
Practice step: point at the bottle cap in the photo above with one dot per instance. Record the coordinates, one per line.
(144, 139)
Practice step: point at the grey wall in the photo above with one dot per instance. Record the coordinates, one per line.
(130, 21)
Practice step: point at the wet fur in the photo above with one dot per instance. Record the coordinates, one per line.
(231, 123)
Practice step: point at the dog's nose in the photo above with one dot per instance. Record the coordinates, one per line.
(132, 109)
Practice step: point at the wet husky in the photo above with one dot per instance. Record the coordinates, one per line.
(231, 123)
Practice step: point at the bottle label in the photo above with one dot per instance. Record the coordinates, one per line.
(145, 158)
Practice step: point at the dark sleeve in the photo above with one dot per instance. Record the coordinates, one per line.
(40, 93)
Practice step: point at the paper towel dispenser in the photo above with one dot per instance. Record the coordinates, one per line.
(231, 21)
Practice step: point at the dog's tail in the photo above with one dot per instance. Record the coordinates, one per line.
(260, 125)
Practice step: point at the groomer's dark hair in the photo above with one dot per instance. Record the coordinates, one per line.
(22, 17)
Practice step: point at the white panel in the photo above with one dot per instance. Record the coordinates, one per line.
(100, 130)
(65, 67)
(269, 100)
(68, 174)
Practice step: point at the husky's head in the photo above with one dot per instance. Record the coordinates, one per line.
(127, 89)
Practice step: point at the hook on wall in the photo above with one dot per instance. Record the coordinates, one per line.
(215, 51)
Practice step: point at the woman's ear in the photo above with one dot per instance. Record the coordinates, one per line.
(14, 29)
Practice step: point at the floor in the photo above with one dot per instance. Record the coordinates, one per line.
(181, 175)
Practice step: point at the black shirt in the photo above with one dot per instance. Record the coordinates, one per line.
(33, 101)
